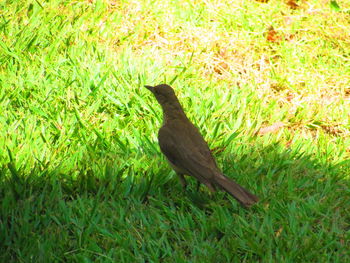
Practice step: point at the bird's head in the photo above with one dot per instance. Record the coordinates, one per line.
(163, 93)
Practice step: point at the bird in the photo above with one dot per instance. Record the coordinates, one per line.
(186, 150)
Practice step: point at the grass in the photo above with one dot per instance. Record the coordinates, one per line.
(81, 175)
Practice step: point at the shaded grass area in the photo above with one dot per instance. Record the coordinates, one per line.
(82, 178)
(302, 215)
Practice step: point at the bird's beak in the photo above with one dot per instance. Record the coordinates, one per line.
(150, 88)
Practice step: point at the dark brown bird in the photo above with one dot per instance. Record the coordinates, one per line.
(187, 151)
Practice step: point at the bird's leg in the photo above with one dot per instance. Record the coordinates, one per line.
(182, 181)
(211, 187)
(198, 185)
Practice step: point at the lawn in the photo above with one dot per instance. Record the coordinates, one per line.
(82, 178)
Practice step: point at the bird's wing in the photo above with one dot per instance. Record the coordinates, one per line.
(188, 151)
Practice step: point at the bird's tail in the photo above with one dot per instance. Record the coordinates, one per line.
(238, 192)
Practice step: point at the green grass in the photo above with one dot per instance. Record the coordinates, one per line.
(81, 175)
